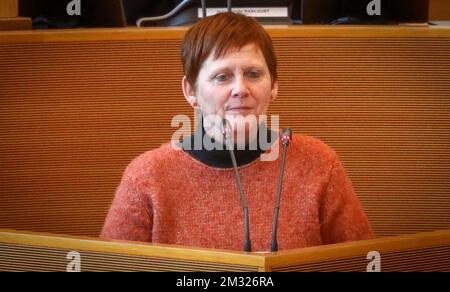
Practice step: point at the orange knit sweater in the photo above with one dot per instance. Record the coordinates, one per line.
(166, 196)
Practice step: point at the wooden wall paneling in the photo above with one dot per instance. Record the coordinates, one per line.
(74, 112)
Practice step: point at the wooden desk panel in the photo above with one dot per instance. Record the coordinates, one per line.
(176, 33)
(31, 251)
(427, 251)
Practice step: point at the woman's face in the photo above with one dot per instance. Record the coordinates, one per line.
(238, 84)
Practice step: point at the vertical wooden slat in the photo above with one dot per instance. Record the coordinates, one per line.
(9, 8)
(439, 10)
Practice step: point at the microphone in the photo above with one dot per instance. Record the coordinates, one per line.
(286, 137)
(203, 8)
(226, 131)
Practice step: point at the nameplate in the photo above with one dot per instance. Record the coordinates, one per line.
(249, 11)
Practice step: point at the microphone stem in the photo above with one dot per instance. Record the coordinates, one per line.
(203, 8)
(247, 243)
(277, 204)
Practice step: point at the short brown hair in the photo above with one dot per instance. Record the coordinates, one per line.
(220, 33)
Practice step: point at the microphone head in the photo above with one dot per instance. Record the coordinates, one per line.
(226, 128)
(286, 136)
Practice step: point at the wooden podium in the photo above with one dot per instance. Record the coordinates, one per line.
(31, 251)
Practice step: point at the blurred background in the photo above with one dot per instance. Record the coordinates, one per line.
(119, 13)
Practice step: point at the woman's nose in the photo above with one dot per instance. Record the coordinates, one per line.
(240, 87)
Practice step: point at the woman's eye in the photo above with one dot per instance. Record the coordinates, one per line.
(221, 77)
(253, 74)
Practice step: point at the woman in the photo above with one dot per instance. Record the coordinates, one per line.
(190, 197)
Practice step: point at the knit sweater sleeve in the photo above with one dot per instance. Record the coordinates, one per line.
(129, 217)
(342, 216)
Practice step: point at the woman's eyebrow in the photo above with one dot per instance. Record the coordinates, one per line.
(253, 67)
(245, 68)
(218, 70)
(221, 68)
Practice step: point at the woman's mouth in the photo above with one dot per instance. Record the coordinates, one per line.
(240, 109)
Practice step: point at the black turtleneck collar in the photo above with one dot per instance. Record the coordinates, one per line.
(221, 158)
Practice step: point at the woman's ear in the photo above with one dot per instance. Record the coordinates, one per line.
(189, 92)
(274, 91)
